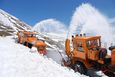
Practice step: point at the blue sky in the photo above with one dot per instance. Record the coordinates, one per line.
(33, 11)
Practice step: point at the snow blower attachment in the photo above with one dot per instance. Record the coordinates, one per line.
(29, 39)
(87, 53)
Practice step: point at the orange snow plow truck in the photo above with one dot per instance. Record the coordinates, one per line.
(29, 39)
(87, 53)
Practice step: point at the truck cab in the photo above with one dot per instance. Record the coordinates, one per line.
(30, 39)
(86, 53)
(86, 47)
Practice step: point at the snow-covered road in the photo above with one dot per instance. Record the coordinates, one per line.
(17, 61)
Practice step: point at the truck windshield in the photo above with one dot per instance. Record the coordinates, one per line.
(31, 35)
(93, 43)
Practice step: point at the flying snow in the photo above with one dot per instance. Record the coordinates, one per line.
(87, 19)
(49, 26)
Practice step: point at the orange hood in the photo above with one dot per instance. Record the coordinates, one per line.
(40, 43)
(32, 39)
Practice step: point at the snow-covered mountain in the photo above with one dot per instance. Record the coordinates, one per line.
(17, 61)
(10, 24)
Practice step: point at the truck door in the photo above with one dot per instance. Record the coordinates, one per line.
(79, 50)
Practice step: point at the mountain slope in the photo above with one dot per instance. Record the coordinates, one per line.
(10, 24)
(17, 61)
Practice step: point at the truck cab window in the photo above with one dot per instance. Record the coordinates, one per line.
(80, 46)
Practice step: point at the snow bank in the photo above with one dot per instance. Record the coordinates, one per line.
(17, 61)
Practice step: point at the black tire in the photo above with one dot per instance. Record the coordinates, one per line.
(25, 43)
(18, 41)
(102, 53)
(30, 45)
(79, 67)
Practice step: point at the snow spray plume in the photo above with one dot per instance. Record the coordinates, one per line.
(50, 26)
(87, 19)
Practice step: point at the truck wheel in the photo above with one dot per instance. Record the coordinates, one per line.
(79, 67)
(30, 45)
(18, 41)
(25, 43)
